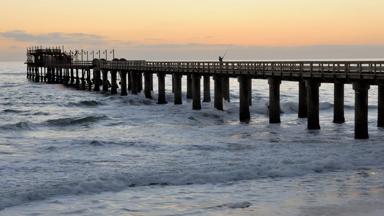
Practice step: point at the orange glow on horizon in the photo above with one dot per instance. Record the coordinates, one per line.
(239, 22)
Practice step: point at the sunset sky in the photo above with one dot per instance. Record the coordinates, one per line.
(170, 29)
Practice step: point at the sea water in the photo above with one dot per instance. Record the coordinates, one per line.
(70, 152)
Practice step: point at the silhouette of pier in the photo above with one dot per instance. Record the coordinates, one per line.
(53, 65)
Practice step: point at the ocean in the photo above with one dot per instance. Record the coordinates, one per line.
(70, 152)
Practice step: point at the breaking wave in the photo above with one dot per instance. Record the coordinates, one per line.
(63, 122)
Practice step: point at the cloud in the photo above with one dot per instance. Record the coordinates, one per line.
(53, 37)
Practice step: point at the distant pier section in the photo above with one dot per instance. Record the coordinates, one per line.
(54, 65)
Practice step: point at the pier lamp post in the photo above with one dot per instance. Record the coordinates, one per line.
(82, 53)
(106, 54)
(93, 54)
(113, 53)
(99, 53)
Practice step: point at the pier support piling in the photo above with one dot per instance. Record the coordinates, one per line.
(129, 81)
(105, 81)
(134, 83)
(147, 85)
(189, 86)
(226, 90)
(77, 79)
(196, 93)
(302, 100)
(96, 79)
(161, 95)
(83, 80)
(123, 80)
(207, 89)
(380, 106)
(361, 109)
(72, 77)
(177, 89)
(274, 100)
(89, 80)
(338, 111)
(218, 91)
(113, 82)
(244, 113)
(139, 82)
(250, 91)
(313, 104)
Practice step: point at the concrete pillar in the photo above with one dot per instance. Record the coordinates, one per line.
(57, 77)
(105, 81)
(134, 83)
(250, 91)
(361, 110)
(196, 93)
(41, 74)
(60, 75)
(113, 82)
(83, 80)
(123, 78)
(189, 86)
(177, 88)
(338, 110)
(313, 104)
(37, 76)
(207, 89)
(147, 85)
(77, 79)
(274, 100)
(226, 90)
(244, 113)
(161, 95)
(96, 79)
(380, 114)
(151, 86)
(173, 84)
(218, 91)
(302, 100)
(140, 82)
(89, 81)
(129, 80)
(72, 77)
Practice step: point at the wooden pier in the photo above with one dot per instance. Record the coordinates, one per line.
(53, 65)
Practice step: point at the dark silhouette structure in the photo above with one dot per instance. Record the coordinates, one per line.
(56, 66)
